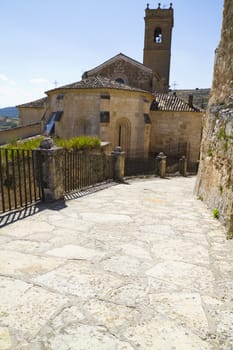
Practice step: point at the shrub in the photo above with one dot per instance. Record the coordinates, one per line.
(81, 142)
(215, 212)
(210, 152)
(29, 144)
(230, 231)
(221, 134)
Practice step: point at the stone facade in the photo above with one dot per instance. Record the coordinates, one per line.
(215, 178)
(137, 120)
(176, 127)
(125, 69)
(21, 132)
(97, 106)
(170, 128)
(157, 45)
(32, 112)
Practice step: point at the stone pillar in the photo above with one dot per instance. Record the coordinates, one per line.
(119, 164)
(161, 161)
(50, 164)
(183, 166)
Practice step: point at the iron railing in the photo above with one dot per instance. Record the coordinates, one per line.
(83, 170)
(139, 166)
(176, 149)
(18, 184)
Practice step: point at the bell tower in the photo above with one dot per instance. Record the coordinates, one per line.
(157, 45)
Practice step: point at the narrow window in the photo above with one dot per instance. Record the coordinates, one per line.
(104, 117)
(119, 136)
(158, 38)
(105, 96)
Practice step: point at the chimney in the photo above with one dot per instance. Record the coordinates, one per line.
(190, 101)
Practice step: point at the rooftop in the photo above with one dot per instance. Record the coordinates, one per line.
(96, 82)
(200, 96)
(166, 102)
(113, 59)
(35, 104)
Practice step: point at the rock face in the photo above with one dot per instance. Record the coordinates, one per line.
(215, 177)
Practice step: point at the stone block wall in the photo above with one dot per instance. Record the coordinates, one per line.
(81, 115)
(131, 74)
(30, 115)
(20, 132)
(125, 109)
(173, 127)
(215, 177)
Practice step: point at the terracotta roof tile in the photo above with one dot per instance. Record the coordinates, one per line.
(35, 104)
(96, 82)
(165, 102)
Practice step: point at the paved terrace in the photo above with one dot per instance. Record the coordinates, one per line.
(133, 267)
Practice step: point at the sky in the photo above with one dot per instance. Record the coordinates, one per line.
(48, 43)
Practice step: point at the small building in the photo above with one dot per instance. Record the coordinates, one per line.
(98, 106)
(176, 126)
(32, 112)
(139, 121)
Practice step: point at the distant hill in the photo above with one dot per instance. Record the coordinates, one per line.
(10, 112)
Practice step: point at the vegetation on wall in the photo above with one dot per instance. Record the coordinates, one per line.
(29, 144)
(81, 142)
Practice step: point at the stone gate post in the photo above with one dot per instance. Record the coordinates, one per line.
(183, 166)
(161, 163)
(50, 166)
(119, 163)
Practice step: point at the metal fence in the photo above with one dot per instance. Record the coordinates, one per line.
(139, 166)
(20, 175)
(23, 173)
(18, 185)
(83, 170)
(176, 150)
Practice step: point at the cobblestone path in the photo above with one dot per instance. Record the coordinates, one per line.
(137, 266)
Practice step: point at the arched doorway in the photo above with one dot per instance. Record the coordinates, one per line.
(123, 134)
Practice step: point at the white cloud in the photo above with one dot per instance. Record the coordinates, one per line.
(39, 81)
(5, 80)
(11, 95)
(3, 77)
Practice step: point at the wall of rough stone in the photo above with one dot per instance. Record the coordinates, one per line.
(131, 74)
(125, 107)
(30, 115)
(170, 127)
(21, 132)
(215, 177)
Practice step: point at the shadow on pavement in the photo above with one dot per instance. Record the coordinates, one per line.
(35, 208)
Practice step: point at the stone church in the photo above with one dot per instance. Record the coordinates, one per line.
(125, 102)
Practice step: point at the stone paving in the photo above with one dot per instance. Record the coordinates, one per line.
(136, 266)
